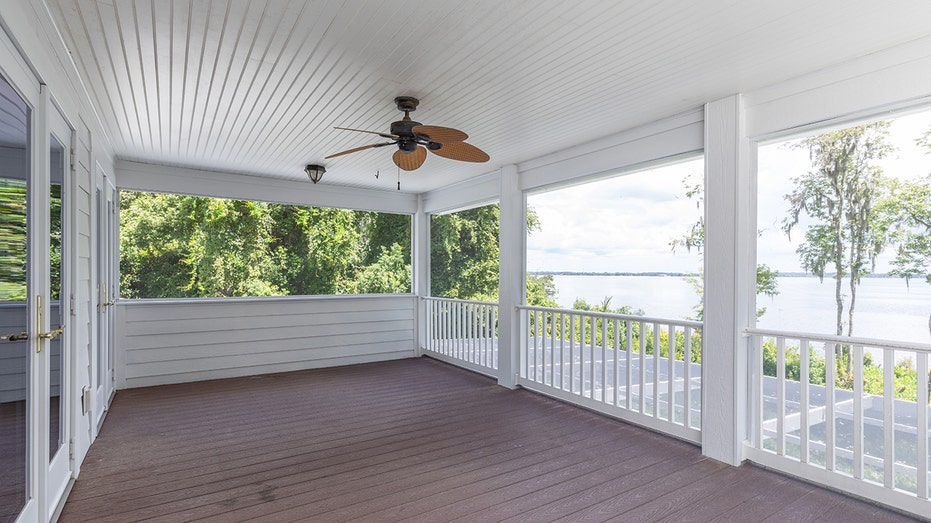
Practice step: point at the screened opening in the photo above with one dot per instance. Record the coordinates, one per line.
(844, 218)
(176, 246)
(630, 244)
(464, 254)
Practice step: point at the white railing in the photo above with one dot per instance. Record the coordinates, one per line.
(851, 413)
(463, 332)
(610, 363)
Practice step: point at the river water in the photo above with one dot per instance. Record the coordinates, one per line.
(886, 307)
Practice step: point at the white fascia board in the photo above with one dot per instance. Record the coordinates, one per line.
(669, 138)
(474, 192)
(871, 86)
(137, 176)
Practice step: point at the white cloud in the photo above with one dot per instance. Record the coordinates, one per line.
(622, 224)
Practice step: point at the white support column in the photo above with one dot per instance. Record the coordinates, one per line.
(730, 279)
(511, 272)
(420, 265)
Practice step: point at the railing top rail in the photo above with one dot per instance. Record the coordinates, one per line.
(457, 300)
(851, 340)
(612, 316)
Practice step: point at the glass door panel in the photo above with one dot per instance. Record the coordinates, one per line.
(59, 364)
(15, 352)
(56, 356)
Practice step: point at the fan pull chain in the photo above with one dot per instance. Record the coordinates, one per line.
(399, 178)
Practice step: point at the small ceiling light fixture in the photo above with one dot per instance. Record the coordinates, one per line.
(315, 172)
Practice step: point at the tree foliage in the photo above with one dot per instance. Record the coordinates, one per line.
(464, 254)
(908, 209)
(188, 246)
(12, 240)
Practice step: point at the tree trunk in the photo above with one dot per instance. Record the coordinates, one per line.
(853, 302)
(838, 277)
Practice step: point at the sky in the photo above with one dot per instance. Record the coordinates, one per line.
(626, 223)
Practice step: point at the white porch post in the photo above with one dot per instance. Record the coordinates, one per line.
(730, 279)
(420, 265)
(511, 268)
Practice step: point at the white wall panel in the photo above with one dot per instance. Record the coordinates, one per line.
(160, 178)
(172, 341)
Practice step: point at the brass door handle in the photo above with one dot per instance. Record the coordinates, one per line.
(16, 337)
(51, 335)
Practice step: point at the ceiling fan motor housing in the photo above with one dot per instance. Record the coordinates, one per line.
(403, 128)
(407, 145)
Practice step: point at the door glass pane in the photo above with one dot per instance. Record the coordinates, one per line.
(101, 286)
(57, 157)
(14, 349)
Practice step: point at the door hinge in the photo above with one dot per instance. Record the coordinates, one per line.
(85, 400)
(72, 159)
(71, 449)
(71, 305)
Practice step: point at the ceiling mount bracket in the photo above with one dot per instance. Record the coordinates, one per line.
(407, 103)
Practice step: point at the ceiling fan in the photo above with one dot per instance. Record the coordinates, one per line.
(415, 139)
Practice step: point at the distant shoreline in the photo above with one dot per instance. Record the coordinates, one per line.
(683, 274)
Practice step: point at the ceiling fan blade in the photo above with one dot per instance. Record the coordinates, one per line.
(383, 135)
(462, 151)
(357, 149)
(440, 134)
(410, 161)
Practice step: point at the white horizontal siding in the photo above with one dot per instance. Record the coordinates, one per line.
(173, 341)
(14, 357)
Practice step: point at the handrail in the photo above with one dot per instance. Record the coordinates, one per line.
(846, 340)
(612, 316)
(457, 300)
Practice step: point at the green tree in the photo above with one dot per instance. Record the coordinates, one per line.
(908, 206)
(12, 240)
(541, 291)
(186, 246)
(766, 277)
(464, 254)
(389, 273)
(838, 195)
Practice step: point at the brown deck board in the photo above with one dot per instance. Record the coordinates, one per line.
(410, 440)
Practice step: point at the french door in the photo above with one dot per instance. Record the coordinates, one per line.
(35, 360)
(104, 212)
(60, 353)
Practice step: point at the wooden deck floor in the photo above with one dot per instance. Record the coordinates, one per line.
(410, 440)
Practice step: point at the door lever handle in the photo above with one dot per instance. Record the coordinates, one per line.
(51, 335)
(16, 337)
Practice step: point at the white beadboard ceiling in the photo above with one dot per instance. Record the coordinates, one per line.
(257, 86)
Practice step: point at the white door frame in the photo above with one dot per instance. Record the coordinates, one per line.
(15, 72)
